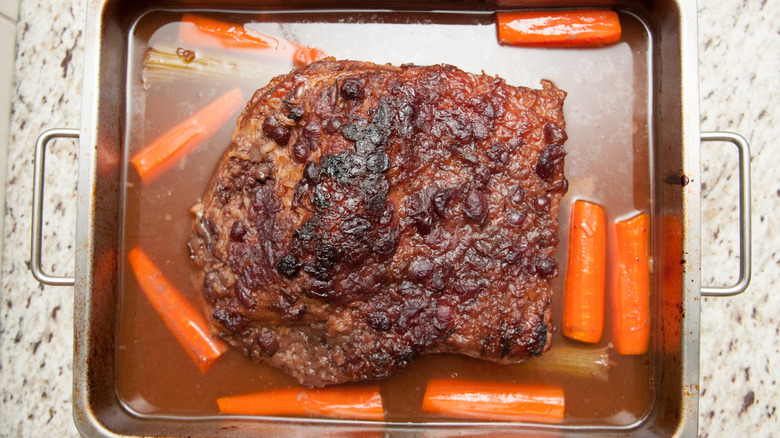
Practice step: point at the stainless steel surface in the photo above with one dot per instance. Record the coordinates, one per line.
(37, 207)
(98, 412)
(745, 256)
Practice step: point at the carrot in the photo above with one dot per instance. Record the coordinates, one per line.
(631, 297)
(161, 154)
(360, 402)
(202, 31)
(182, 319)
(494, 401)
(304, 56)
(563, 28)
(583, 290)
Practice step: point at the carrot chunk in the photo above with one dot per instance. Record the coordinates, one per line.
(162, 153)
(563, 28)
(631, 297)
(358, 402)
(198, 31)
(182, 319)
(494, 401)
(583, 291)
(202, 31)
(304, 56)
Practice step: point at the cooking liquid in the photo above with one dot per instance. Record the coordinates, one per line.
(608, 162)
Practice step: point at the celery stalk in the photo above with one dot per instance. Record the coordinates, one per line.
(576, 361)
(165, 63)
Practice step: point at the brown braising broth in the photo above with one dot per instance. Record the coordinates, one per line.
(608, 162)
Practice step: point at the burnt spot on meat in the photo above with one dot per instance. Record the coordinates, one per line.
(319, 199)
(288, 266)
(326, 257)
(352, 132)
(378, 162)
(295, 112)
(308, 230)
(508, 339)
(334, 166)
(276, 131)
(355, 226)
(538, 341)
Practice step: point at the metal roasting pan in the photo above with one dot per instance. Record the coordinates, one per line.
(675, 149)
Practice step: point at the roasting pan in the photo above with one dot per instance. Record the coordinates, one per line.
(675, 204)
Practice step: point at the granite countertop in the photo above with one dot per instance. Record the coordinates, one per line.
(740, 358)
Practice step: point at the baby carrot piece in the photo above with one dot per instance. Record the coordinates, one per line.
(163, 152)
(566, 28)
(182, 319)
(202, 31)
(304, 56)
(583, 290)
(358, 402)
(494, 401)
(196, 31)
(631, 299)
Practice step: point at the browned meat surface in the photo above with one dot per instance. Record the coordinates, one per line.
(364, 215)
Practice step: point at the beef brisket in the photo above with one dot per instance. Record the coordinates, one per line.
(366, 214)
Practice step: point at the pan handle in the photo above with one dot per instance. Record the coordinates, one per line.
(744, 214)
(37, 207)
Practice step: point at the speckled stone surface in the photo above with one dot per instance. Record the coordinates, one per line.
(36, 329)
(739, 43)
(739, 69)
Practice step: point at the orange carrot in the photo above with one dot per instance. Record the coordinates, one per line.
(182, 319)
(304, 56)
(631, 297)
(202, 31)
(494, 401)
(563, 28)
(359, 402)
(161, 154)
(198, 31)
(583, 290)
